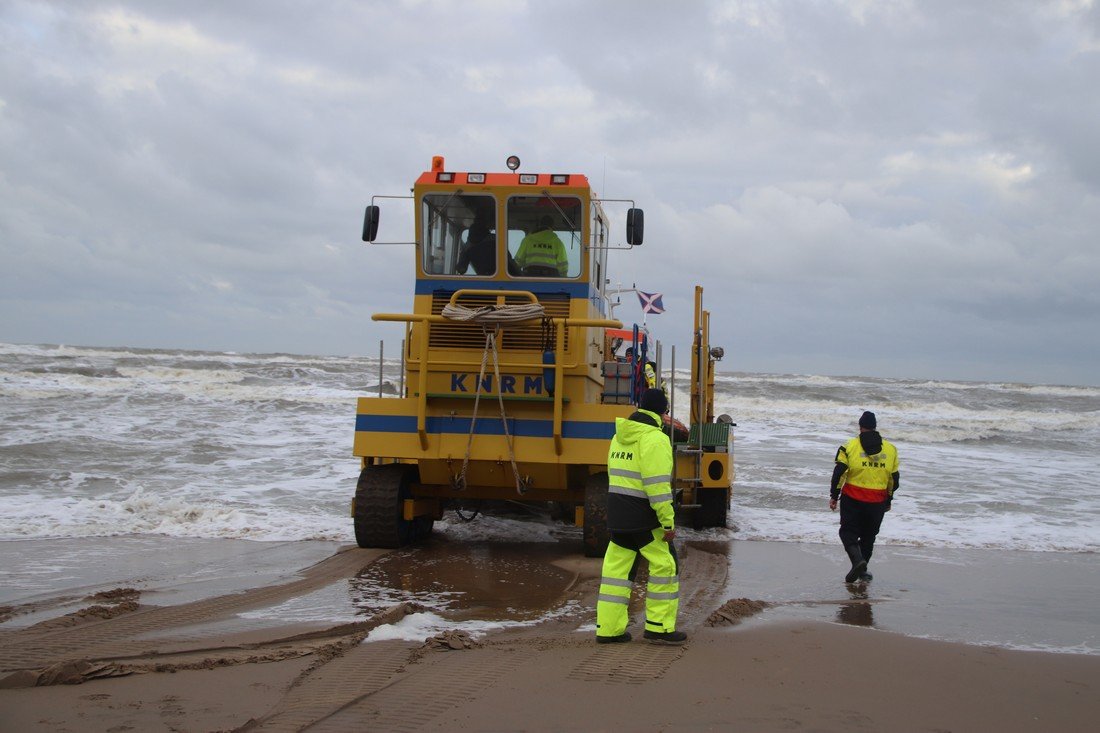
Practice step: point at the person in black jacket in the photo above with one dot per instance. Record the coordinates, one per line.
(480, 250)
(864, 480)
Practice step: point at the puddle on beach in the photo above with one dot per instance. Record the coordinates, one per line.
(491, 581)
(489, 584)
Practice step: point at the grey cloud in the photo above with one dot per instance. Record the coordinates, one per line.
(194, 174)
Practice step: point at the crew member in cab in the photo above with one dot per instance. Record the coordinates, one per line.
(640, 519)
(541, 253)
(481, 247)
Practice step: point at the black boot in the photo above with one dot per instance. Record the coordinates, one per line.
(858, 563)
(620, 639)
(666, 637)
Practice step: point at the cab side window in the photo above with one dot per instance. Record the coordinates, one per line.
(459, 235)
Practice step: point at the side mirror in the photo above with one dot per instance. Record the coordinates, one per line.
(635, 226)
(370, 224)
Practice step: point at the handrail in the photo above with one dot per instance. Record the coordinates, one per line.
(502, 293)
(557, 321)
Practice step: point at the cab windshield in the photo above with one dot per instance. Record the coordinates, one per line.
(544, 236)
(459, 234)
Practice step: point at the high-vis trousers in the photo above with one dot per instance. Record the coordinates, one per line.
(662, 598)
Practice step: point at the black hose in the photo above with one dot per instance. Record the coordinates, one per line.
(464, 518)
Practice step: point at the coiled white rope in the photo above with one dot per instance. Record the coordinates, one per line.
(495, 314)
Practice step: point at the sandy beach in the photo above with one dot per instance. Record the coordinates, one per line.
(777, 643)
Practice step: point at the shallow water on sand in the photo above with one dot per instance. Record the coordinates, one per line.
(1020, 600)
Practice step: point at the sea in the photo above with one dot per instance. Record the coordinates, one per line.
(102, 442)
(111, 458)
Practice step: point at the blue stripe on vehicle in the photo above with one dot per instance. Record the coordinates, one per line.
(484, 426)
(570, 288)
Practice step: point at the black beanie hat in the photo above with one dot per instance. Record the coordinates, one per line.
(654, 400)
(867, 420)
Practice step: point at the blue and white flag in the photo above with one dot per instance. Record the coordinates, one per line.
(651, 302)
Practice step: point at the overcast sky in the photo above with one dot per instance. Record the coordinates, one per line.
(885, 188)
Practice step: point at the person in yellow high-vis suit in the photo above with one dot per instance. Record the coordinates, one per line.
(541, 253)
(640, 519)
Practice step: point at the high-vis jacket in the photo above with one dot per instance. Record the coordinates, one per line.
(872, 467)
(543, 249)
(639, 471)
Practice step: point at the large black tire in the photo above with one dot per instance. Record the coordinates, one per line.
(595, 515)
(713, 507)
(379, 500)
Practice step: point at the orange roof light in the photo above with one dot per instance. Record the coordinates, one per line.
(437, 163)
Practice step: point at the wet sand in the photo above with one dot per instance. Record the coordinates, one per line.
(777, 642)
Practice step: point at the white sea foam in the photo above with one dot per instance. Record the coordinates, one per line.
(40, 516)
(1082, 648)
(424, 625)
(501, 529)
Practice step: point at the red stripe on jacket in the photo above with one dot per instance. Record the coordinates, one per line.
(872, 496)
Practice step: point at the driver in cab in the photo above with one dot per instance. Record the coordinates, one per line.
(541, 253)
(480, 250)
